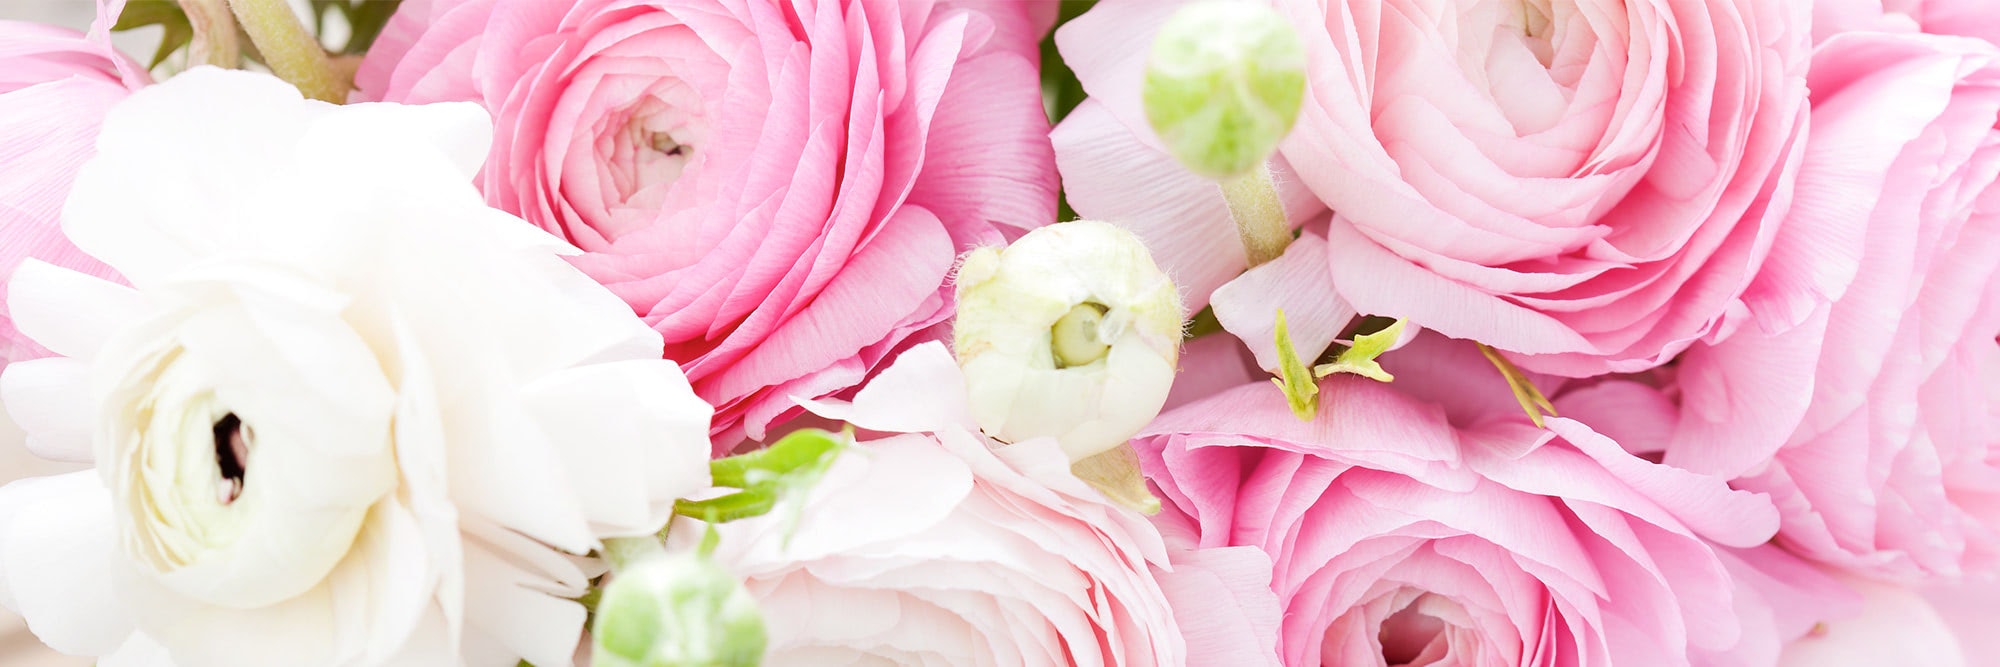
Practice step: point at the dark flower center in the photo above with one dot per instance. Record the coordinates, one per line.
(231, 450)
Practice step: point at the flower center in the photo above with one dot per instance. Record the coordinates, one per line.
(1074, 337)
(232, 453)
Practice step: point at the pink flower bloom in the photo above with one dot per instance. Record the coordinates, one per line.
(928, 547)
(1897, 627)
(1970, 18)
(55, 86)
(779, 188)
(1410, 528)
(1874, 424)
(1593, 185)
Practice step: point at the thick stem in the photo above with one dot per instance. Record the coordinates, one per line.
(1260, 216)
(214, 33)
(291, 52)
(624, 552)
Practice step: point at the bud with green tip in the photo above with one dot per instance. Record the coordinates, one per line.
(1072, 332)
(679, 610)
(1224, 83)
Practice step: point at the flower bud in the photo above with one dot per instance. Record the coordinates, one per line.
(1072, 332)
(1224, 83)
(679, 610)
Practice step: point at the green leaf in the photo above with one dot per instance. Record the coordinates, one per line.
(785, 471)
(1359, 358)
(176, 31)
(1531, 399)
(366, 18)
(1294, 378)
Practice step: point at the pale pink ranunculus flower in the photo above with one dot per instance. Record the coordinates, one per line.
(1592, 185)
(1408, 526)
(780, 188)
(55, 87)
(1969, 18)
(935, 545)
(1897, 626)
(1875, 425)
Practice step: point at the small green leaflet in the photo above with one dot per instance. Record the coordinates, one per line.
(1294, 378)
(785, 471)
(1359, 359)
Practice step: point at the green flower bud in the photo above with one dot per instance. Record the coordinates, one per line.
(1072, 332)
(679, 610)
(1224, 83)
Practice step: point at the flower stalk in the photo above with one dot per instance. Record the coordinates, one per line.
(288, 49)
(1259, 214)
(214, 33)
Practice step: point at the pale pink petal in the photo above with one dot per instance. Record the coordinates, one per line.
(1209, 365)
(1111, 174)
(1896, 627)
(1296, 283)
(922, 391)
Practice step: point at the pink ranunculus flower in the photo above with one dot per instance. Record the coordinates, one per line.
(1592, 185)
(1408, 526)
(55, 87)
(1875, 425)
(934, 545)
(780, 188)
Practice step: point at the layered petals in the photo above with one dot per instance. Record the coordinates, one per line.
(778, 188)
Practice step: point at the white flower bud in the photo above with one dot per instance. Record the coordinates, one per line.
(1072, 332)
(679, 610)
(1224, 83)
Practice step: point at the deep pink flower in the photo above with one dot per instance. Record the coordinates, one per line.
(1875, 425)
(779, 188)
(55, 87)
(1410, 526)
(1593, 185)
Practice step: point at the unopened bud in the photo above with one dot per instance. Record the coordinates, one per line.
(1224, 83)
(1072, 332)
(679, 610)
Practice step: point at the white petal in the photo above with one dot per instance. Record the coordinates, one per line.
(71, 313)
(58, 555)
(632, 436)
(50, 398)
(139, 651)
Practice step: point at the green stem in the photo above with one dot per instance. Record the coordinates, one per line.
(1260, 216)
(624, 552)
(214, 33)
(291, 52)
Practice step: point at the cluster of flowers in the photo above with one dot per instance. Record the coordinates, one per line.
(734, 332)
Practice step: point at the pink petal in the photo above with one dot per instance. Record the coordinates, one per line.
(1299, 284)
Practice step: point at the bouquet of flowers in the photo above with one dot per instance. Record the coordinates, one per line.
(716, 333)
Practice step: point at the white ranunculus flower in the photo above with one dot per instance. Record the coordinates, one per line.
(1071, 332)
(345, 414)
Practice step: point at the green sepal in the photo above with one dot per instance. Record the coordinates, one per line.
(1294, 378)
(1359, 358)
(1531, 399)
(783, 471)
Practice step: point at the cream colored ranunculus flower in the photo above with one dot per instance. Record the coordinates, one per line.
(345, 414)
(1071, 332)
